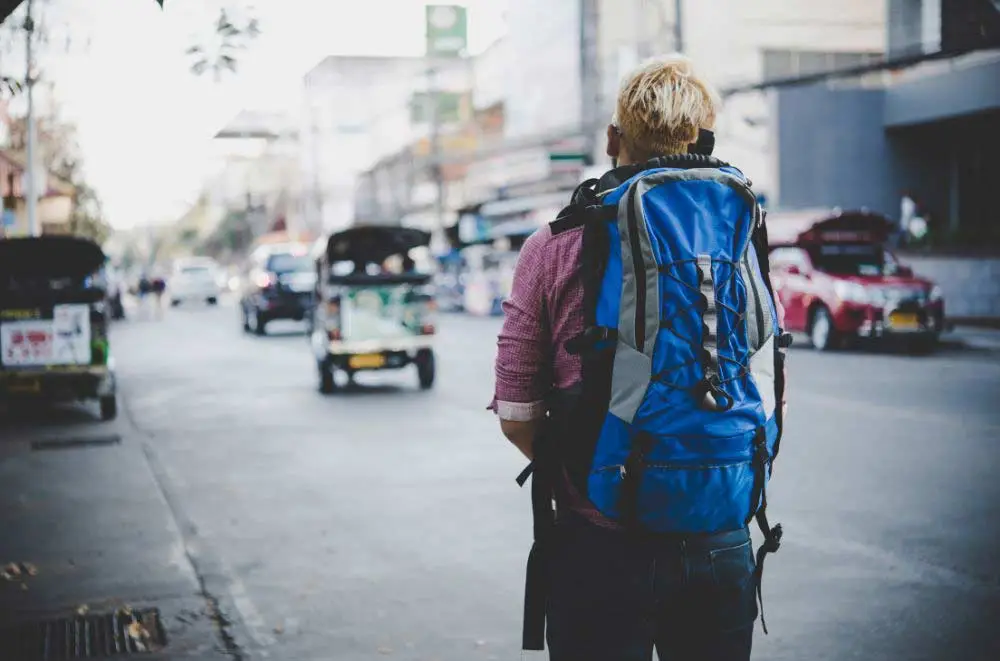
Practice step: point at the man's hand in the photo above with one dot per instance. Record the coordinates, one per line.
(521, 434)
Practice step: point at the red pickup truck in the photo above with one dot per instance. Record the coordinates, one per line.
(839, 283)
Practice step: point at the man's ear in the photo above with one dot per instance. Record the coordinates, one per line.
(614, 142)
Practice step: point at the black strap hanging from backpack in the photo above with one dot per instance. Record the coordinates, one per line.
(550, 453)
(761, 462)
(544, 465)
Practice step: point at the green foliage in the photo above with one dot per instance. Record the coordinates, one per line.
(233, 37)
(233, 236)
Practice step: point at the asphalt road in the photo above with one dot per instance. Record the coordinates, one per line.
(384, 522)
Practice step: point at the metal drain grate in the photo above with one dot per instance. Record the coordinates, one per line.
(122, 633)
(75, 442)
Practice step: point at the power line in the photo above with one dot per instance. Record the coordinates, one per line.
(902, 62)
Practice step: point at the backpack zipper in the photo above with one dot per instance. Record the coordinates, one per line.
(620, 468)
(639, 268)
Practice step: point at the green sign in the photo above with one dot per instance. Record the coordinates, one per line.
(565, 157)
(449, 107)
(447, 30)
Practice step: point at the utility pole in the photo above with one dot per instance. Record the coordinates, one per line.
(679, 26)
(641, 42)
(590, 78)
(31, 191)
(437, 169)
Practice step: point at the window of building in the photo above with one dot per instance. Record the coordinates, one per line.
(794, 63)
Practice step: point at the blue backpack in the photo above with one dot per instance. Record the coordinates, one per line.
(678, 420)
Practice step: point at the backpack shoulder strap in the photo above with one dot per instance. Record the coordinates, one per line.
(584, 207)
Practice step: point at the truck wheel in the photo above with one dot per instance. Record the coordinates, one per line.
(425, 368)
(109, 407)
(821, 331)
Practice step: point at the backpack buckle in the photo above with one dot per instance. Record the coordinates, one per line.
(590, 338)
(711, 396)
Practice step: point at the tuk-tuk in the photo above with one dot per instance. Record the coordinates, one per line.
(54, 322)
(370, 314)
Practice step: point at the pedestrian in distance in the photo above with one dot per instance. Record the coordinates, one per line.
(158, 286)
(144, 289)
(641, 369)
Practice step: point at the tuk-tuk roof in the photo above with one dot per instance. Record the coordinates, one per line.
(374, 243)
(814, 226)
(50, 256)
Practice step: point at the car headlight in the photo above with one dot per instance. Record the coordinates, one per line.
(935, 294)
(851, 291)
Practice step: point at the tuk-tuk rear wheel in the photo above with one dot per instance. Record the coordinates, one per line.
(109, 407)
(425, 368)
(327, 382)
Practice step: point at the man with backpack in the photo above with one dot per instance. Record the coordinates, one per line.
(641, 369)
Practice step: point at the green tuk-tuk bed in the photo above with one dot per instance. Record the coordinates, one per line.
(53, 323)
(368, 320)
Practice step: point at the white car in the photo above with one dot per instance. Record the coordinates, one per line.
(194, 281)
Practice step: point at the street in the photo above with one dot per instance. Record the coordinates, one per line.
(384, 521)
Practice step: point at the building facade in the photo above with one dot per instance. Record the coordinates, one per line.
(358, 111)
(735, 43)
(930, 129)
(556, 74)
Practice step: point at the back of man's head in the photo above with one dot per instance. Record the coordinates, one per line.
(661, 106)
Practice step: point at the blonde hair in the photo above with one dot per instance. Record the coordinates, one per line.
(661, 105)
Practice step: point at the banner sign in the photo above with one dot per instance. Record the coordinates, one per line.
(447, 28)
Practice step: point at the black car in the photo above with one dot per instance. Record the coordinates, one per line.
(278, 283)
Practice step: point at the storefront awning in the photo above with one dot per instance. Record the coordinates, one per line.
(960, 91)
(521, 205)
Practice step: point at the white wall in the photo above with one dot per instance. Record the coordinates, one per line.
(357, 111)
(543, 71)
(490, 74)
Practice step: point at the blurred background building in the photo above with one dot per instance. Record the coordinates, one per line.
(551, 83)
(843, 104)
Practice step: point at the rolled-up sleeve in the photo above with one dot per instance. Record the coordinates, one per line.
(523, 344)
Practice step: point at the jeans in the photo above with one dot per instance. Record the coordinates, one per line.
(614, 596)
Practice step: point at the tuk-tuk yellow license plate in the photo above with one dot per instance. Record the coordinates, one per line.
(904, 321)
(24, 386)
(367, 361)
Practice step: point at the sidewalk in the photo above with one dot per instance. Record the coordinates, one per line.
(86, 534)
(973, 337)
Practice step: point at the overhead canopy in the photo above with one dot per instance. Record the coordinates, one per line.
(50, 256)
(827, 226)
(374, 243)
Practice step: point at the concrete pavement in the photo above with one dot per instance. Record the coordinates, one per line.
(87, 531)
(974, 337)
(384, 522)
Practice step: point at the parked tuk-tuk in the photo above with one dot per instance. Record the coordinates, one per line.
(54, 322)
(371, 314)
